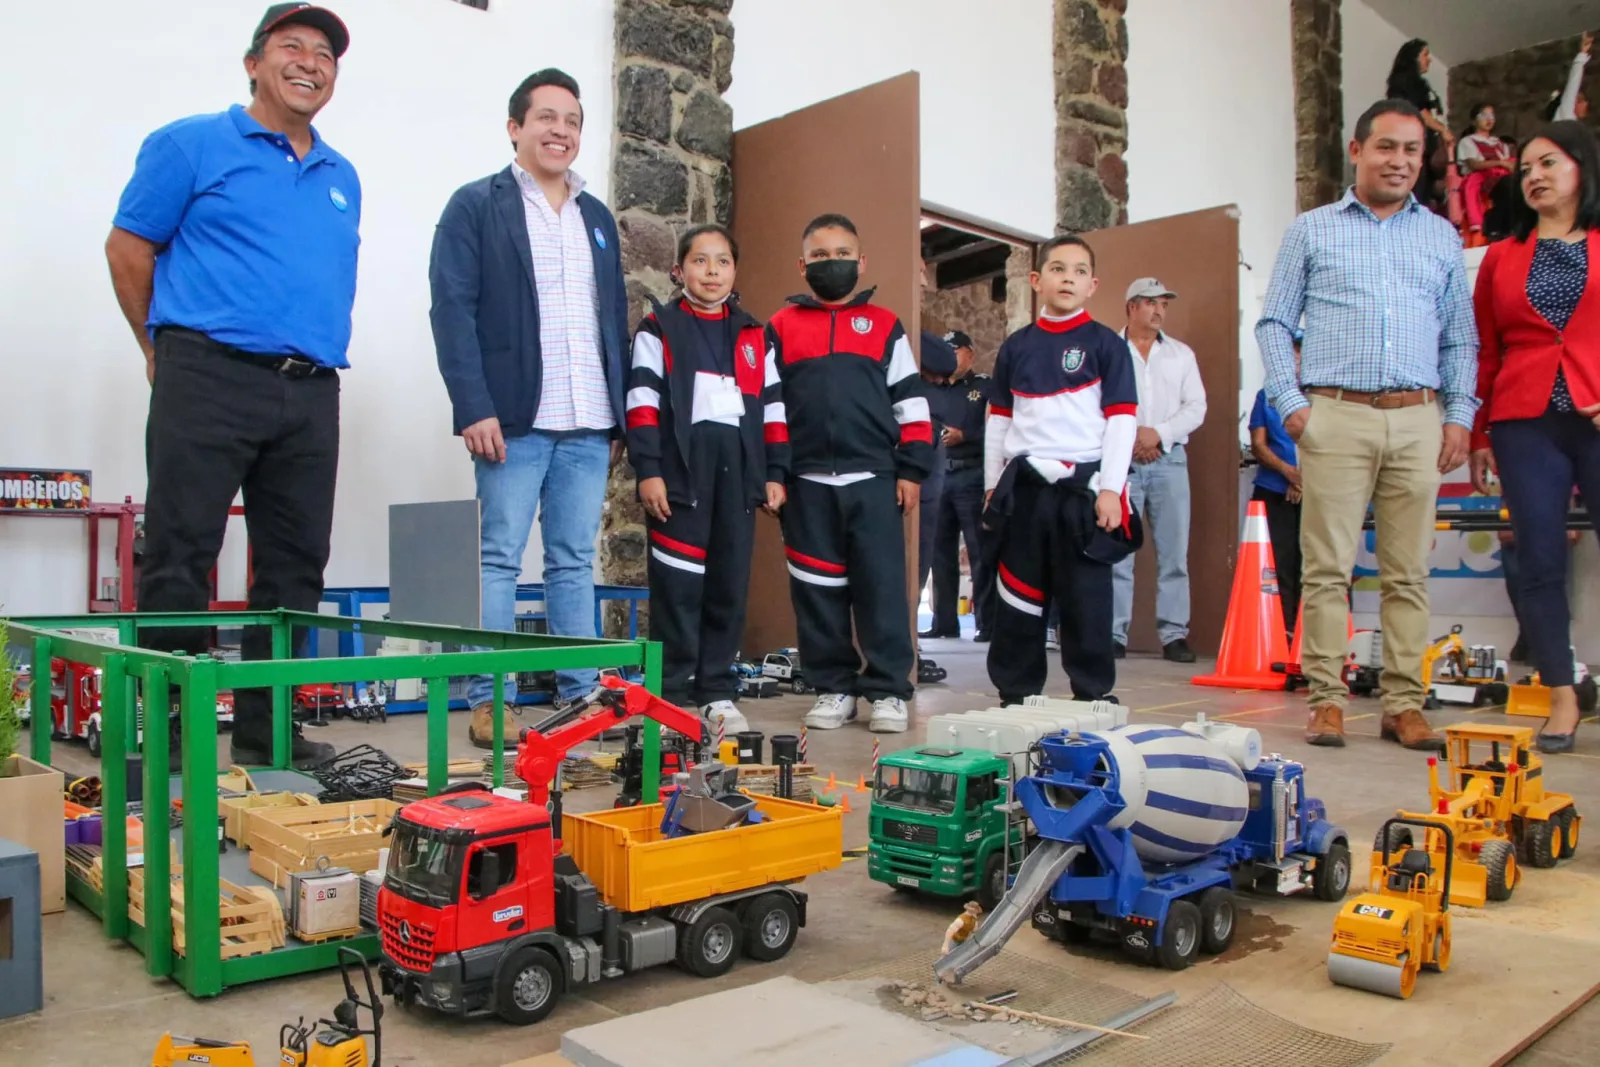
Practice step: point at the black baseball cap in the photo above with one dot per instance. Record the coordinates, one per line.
(307, 15)
(937, 355)
(957, 339)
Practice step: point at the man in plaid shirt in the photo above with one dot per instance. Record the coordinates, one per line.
(530, 324)
(1381, 408)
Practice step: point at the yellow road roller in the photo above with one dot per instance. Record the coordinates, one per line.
(1401, 925)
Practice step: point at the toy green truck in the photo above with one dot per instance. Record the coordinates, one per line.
(939, 820)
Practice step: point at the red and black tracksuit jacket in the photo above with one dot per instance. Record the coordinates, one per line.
(854, 399)
(669, 355)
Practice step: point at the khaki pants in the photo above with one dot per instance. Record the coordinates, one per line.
(1351, 453)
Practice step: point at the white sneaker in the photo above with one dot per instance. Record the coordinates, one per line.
(726, 713)
(1052, 640)
(889, 716)
(831, 711)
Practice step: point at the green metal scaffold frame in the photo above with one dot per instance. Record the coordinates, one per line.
(201, 970)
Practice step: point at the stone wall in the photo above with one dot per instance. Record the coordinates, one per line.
(1519, 85)
(1318, 103)
(669, 170)
(973, 310)
(1091, 46)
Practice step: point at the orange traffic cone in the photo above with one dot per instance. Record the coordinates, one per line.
(861, 784)
(832, 783)
(1252, 640)
(844, 803)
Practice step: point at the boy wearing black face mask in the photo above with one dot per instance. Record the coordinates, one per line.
(861, 441)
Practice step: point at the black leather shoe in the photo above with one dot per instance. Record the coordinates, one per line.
(981, 637)
(1178, 651)
(937, 633)
(1119, 650)
(303, 755)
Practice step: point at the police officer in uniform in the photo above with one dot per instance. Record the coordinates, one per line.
(938, 363)
(961, 406)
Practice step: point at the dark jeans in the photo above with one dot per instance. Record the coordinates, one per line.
(1283, 528)
(1511, 566)
(220, 423)
(1540, 461)
(960, 519)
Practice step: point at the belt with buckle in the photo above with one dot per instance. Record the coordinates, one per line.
(1384, 398)
(953, 465)
(292, 367)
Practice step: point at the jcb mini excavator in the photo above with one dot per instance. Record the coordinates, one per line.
(341, 1043)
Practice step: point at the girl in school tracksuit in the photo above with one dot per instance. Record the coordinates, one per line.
(708, 440)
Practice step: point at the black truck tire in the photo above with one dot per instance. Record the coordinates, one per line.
(993, 885)
(92, 739)
(1539, 842)
(1218, 915)
(1331, 879)
(1501, 860)
(1569, 831)
(771, 922)
(709, 945)
(1180, 938)
(527, 987)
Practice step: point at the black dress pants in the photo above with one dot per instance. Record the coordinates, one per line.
(222, 421)
(960, 519)
(1283, 530)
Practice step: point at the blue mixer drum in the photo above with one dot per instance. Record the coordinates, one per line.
(1182, 794)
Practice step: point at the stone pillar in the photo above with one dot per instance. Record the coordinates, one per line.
(1318, 103)
(669, 170)
(1091, 46)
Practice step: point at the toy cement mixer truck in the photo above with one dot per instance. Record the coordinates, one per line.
(1144, 833)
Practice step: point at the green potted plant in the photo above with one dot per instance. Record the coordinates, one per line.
(30, 792)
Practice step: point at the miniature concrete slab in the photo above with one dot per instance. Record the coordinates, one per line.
(778, 1023)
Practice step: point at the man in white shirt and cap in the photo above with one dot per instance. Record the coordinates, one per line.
(1172, 405)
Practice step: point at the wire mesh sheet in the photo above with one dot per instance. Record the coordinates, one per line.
(1220, 1028)
(1041, 987)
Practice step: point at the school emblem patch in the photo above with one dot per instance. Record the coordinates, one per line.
(861, 324)
(749, 353)
(1072, 359)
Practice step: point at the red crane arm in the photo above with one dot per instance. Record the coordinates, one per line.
(616, 701)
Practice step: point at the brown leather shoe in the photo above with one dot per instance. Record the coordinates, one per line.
(481, 729)
(1410, 729)
(1326, 726)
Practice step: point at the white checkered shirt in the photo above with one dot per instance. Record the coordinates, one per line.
(574, 394)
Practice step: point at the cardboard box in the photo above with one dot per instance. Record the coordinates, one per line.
(30, 815)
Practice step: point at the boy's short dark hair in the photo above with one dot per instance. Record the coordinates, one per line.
(1063, 241)
(686, 242)
(827, 221)
(520, 100)
(1381, 108)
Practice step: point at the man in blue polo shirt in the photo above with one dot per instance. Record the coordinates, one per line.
(233, 256)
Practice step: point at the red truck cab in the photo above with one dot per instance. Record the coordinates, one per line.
(467, 889)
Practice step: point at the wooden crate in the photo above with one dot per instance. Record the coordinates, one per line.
(252, 918)
(236, 810)
(349, 835)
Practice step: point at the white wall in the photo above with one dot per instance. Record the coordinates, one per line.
(1211, 115)
(988, 95)
(419, 110)
(1369, 46)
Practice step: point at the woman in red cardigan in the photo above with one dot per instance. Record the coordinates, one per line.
(1538, 307)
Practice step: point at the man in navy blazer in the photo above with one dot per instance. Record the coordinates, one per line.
(531, 329)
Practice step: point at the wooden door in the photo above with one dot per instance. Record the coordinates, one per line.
(855, 154)
(1197, 256)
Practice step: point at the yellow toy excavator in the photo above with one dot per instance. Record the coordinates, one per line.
(342, 1042)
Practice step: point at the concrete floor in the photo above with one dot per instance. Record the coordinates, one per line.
(102, 1008)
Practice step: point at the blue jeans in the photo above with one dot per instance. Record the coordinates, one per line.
(562, 479)
(1159, 492)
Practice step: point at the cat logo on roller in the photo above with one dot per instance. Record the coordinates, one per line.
(749, 353)
(861, 324)
(1072, 359)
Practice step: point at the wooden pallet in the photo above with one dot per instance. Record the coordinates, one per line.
(284, 840)
(237, 810)
(251, 917)
(331, 935)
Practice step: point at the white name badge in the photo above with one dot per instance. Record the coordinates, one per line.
(724, 399)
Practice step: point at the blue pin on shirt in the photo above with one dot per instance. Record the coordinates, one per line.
(599, 238)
